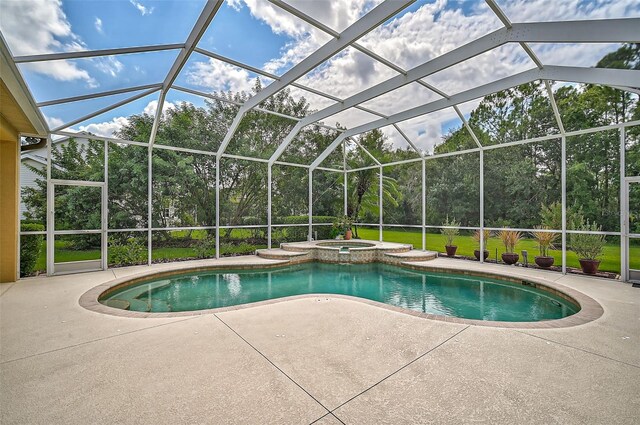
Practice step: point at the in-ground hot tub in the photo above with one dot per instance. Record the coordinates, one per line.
(347, 244)
(347, 251)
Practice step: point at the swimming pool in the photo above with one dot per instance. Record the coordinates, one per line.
(445, 294)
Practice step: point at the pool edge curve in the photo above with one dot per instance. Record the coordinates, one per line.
(590, 309)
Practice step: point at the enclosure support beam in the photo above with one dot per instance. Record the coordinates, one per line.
(106, 109)
(624, 212)
(105, 208)
(365, 150)
(50, 224)
(406, 138)
(380, 204)
(95, 53)
(563, 171)
(595, 31)
(424, 205)
(269, 177)
(149, 205)
(364, 25)
(554, 106)
(601, 76)
(217, 207)
(158, 117)
(344, 178)
(317, 24)
(198, 30)
(467, 126)
(276, 78)
(507, 23)
(481, 247)
(97, 95)
(310, 236)
(563, 184)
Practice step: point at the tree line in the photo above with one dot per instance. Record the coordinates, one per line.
(519, 181)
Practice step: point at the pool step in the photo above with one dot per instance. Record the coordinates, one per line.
(280, 254)
(416, 255)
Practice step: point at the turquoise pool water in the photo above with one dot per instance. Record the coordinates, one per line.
(437, 293)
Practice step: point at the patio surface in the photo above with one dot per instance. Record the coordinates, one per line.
(323, 359)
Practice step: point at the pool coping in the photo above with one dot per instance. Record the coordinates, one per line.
(590, 309)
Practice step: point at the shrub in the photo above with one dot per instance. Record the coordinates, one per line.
(451, 231)
(551, 216)
(206, 247)
(240, 249)
(126, 253)
(587, 247)
(300, 233)
(30, 247)
(343, 224)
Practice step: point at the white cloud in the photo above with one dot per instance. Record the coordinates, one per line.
(152, 107)
(236, 4)
(53, 122)
(414, 38)
(64, 71)
(109, 65)
(107, 128)
(337, 15)
(553, 10)
(38, 27)
(219, 76)
(98, 24)
(425, 131)
(144, 10)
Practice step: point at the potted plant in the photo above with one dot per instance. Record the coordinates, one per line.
(344, 225)
(510, 239)
(545, 242)
(450, 232)
(588, 247)
(476, 237)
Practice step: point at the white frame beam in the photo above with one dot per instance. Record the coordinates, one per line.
(83, 54)
(623, 30)
(275, 78)
(364, 25)
(198, 30)
(624, 209)
(16, 85)
(106, 109)
(593, 31)
(558, 73)
(97, 95)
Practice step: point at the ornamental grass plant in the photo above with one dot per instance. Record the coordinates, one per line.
(510, 239)
(545, 239)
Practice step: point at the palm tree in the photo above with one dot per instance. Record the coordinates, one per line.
(363, 186)
(363, 198)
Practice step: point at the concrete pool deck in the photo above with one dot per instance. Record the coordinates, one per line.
(324, 359)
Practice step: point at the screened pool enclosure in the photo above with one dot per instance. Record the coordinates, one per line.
(529, 144)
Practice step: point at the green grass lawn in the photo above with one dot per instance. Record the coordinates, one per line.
(466, 245)
(63, 254)
(435, 242)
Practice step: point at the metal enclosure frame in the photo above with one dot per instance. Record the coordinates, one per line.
(588, 31)
(52, 232)
(627, 235)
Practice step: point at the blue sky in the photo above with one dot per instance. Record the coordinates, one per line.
(261, 35)
(108, 24)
